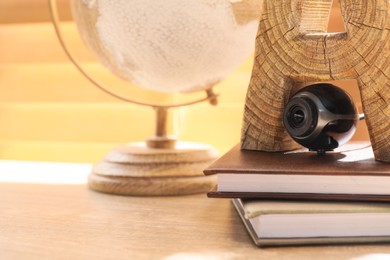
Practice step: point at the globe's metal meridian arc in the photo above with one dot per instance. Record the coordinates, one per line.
(56, 22)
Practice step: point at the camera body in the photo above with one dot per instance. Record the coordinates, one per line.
(320, 117)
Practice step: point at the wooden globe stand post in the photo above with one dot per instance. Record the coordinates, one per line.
(158, 166)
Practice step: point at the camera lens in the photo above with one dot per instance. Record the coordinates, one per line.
(320, 117)
(296, 117)
(300, 117)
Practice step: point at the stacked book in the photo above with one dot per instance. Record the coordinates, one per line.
(300, 197)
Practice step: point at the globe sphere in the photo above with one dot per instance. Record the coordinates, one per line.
(169, 45)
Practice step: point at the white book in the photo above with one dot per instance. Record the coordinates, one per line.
(278, 222)
(286, 183)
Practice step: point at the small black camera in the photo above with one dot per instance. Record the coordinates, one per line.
(320, 117)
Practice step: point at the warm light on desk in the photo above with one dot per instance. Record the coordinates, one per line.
(206, 255)
(373, 257)
(44, 172)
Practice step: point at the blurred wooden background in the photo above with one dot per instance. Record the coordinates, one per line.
(49, 112)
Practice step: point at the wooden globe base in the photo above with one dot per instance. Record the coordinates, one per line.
(137, 170)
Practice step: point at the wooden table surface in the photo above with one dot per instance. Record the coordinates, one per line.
(56, 221)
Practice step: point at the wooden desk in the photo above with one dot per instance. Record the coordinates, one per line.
(54, 221)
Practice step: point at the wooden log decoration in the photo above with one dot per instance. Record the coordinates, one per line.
(293, 48)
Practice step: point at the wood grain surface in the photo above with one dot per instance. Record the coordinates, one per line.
(138, 170)
(293, 49)
(72, 222)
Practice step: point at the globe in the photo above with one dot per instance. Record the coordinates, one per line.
(170, 45)
(164, 46)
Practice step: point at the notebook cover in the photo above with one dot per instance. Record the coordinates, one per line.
(266, 242)
(351, 159)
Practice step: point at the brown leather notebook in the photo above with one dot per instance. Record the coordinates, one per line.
(349, 173)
